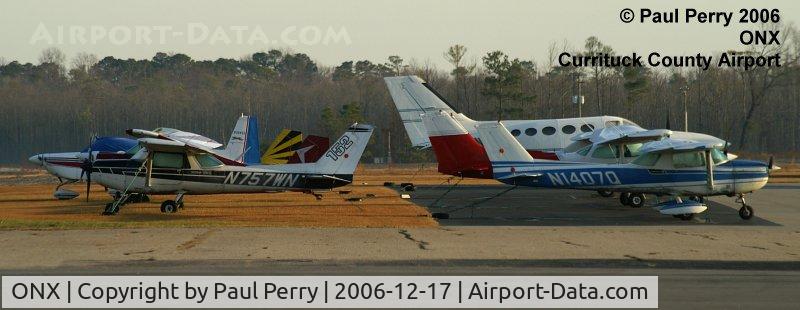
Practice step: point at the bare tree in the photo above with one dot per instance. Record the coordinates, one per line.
(84, 61)
(52, 55)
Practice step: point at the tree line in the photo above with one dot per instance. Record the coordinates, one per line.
(58, 105)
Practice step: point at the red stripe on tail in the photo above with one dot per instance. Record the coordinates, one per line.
(461, 155)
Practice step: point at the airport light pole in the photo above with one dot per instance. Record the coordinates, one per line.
(578, 99)
(685, 91)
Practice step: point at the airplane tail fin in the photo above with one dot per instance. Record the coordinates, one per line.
(243, 145)
(310, 150)
(413, 97)
(282, 148)
(500, 145)
(457, 152)
(343, 156)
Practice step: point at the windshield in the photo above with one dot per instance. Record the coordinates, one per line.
(576, 146)
(718, 156)
(632, 150)
(605, 151)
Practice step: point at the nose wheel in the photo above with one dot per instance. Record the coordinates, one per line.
(745, 212)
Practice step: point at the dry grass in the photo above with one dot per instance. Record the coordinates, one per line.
(33, 207)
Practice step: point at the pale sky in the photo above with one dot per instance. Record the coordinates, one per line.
(412, 29)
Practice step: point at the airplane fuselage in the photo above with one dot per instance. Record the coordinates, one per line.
(132, 176)
(733, 177)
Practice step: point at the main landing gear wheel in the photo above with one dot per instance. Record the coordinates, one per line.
(685, 217)
(636, 200)
(110, 209)
(169, 206)
(605, 193)
(625, 199)
(746, 212)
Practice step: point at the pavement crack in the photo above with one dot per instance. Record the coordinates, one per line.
(754, 247)
(574, 244)
(709, 237)
(421, 244)
(140, 252)
(199, 238)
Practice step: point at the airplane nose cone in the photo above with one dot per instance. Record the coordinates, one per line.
(35, 159)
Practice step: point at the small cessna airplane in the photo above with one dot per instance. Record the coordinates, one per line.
(668, 167)
(173, 167)
(71, 167)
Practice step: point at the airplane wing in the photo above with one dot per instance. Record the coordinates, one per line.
(679, 146)
(176, 135)
(163, 145)
(636, 137)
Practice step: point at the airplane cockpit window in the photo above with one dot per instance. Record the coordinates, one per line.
(584, 150)
(687, 160)
(627, 122)
(170, 160)
(530, 131)
(587, 127)
(718, 156)
(647, 160)
(207, 161)
(548, 131)
(135, 149)
(577, 145)
(569, 129)
(632, 150)
(605, 151)
(515, 132)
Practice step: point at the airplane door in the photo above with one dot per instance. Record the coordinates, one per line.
(167, 172)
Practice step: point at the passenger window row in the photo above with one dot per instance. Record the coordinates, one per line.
(549, 130)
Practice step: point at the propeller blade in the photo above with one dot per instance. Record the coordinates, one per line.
(771, 163)
(88, 185)
(725, 150)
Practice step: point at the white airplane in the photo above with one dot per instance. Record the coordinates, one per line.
(71, 167)
(668, 167)
(173, 167)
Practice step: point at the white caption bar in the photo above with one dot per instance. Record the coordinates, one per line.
(329, 292)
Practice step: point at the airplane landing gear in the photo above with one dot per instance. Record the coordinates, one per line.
(172, 206)
(625, 199)
(745, 212)
(636, 200)
(112, 208)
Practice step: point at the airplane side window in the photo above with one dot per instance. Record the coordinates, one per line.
(207, 161)
(530, 131)
(569, 129)
(632, 150)
(605, 151)
(687, 160)
(612, 123)
(587, 127)
(647, 160)
(585, 150)
(515, 132)
(548, 131)
(170, 160)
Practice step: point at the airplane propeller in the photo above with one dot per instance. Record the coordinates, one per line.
(771, 163)
(86, 169)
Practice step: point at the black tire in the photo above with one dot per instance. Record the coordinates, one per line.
(686, 217)
(699, 199)
(409, 188)
(169, 206)
(636, 200)
(605, 193)
(144, 198)
(625, 199)
(746, 212)
(110, 209)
